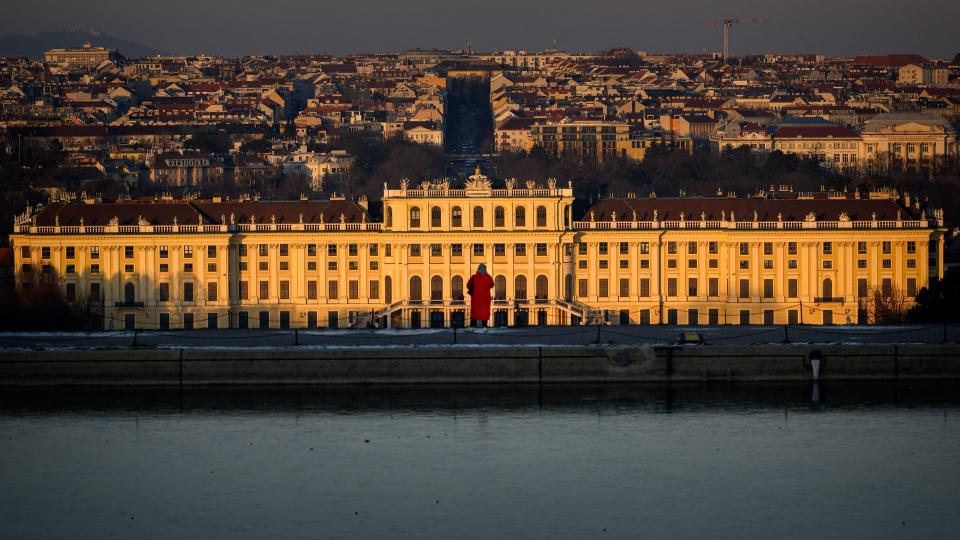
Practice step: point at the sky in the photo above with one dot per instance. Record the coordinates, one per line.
(239, 27)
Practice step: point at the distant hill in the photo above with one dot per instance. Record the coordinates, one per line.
(34, 46)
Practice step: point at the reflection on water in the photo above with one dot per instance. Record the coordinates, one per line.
(716, 461)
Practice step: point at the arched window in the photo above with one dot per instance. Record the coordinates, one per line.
(414, 217)
(456, 288)
(500, 288)
(566, 217)
(129, 293)
(436, 289)
(435, 216)
(827, 288)
(457, 219)
(520, 288)
(541, 292)
(498, 217)
(416, 289)
(389, 217)
(541, 216)
(568, 288)
(388, 289)
(478, 216)
(521, 217)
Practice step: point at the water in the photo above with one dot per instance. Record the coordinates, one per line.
(749, 461)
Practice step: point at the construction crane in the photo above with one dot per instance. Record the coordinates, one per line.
(726, 24)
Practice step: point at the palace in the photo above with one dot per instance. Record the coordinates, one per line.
(777, 257)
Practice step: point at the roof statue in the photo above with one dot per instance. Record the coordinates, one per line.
(810, 217)
(142, 222)
(114, 221)
(478, 182)
(552, 183)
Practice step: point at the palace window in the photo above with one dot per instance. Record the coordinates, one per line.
(333, 290)
(414, 217)
(541, 216)
(478, 216)
(521, 217)
(498, 216)
(456, 217)
(435, 216)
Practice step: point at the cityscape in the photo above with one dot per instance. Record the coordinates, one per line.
(591, 288)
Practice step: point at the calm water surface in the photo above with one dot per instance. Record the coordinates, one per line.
(477, 462)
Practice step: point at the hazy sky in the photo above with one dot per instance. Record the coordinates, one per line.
(237, 27)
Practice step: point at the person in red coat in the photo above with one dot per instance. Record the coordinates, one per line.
(478, 287)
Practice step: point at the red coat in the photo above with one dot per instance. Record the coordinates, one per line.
(480, 298)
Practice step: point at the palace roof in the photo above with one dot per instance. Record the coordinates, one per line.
(195, 212)
(742, 209)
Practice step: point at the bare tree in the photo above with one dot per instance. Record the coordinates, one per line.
(888, 305)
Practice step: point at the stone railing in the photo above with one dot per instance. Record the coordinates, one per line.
(499, 192)
(207, 228)
(750, 225)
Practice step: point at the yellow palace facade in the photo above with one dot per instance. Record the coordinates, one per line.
(774, 258)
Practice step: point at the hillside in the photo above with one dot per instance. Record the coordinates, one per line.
(34, 46)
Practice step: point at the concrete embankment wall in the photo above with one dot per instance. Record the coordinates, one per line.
(454, 364)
